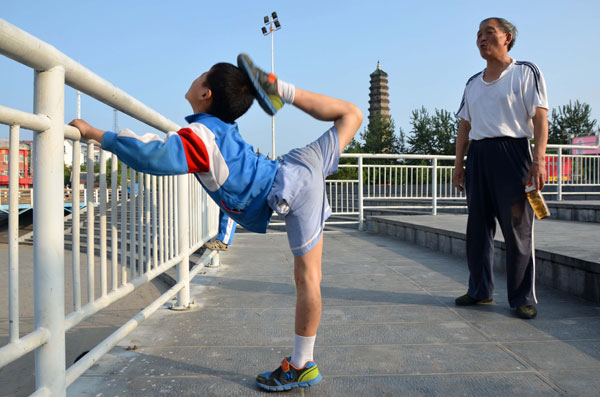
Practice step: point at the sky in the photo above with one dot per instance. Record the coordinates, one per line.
(154, 49)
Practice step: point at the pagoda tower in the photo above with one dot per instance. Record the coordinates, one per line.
(379, 102)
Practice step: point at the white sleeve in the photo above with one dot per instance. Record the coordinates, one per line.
(534, 89)
(463, 110)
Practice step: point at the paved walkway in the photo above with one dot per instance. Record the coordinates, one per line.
(389, 327)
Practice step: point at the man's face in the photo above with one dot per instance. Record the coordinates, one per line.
(492, 41)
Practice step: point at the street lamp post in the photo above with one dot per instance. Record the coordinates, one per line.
(272, 22)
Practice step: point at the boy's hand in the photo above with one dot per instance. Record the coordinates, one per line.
(87, 131)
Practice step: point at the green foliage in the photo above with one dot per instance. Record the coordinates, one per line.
(67, 175)
(433, 134)
(569, 120)
(97, 173)
(380, 137)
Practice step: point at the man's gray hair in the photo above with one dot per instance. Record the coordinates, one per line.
(506, 26)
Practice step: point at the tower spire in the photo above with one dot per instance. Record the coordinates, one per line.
(379, 94)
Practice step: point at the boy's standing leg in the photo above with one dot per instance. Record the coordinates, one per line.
(300, 370)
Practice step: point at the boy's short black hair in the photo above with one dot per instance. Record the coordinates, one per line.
(232, 93)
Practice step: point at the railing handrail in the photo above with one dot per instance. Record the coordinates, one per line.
(54, 70)
(38, 55)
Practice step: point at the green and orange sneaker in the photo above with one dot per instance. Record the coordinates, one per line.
(288, 377)
(265, 85)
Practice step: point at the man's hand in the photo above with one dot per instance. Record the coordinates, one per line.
(537, 171)
(87, 131)
(458, 178)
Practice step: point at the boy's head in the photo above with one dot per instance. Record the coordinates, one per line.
(224, 91)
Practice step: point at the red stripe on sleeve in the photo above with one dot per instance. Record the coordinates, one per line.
(195, 151)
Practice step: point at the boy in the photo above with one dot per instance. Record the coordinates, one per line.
(247, 186)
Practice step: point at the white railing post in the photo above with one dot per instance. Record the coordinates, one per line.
(13, 232)
(434, 187)
(48, 239)
(360, 194)
(183, 267)
(559, 178)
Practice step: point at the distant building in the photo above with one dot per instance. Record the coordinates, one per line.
(379, 102)
(25, 164)
(68, 153)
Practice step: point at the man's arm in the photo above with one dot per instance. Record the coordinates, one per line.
(537, 171)
(462, 143)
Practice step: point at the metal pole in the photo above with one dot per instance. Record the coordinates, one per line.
(434, 188)
(48, 240)
(183, 267)
(360, 194)
(76, 227)
(102, 198)
(273, 157)
(559, 176)
(13, 233)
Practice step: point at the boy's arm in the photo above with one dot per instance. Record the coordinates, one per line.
(178, 153)
(87, 131)
(346, 117)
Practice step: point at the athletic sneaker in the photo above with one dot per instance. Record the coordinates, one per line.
(466, 300)
(265, 85)
(288, 377)
(216, 245)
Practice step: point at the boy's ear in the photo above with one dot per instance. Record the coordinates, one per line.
(207, 94)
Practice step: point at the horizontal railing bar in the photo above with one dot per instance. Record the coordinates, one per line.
(397, 156)
(17, 349)
(35, 53)
(74, 318)
(41, 392)
(28, 121)
(196, 269)
(77, 369)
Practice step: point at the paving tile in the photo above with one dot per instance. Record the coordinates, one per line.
(389, 327)
(557, 355)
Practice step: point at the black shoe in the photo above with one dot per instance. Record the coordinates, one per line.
(526, 312)
(466, 300)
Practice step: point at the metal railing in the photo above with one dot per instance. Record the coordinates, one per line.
(158, 221)
(424, 182)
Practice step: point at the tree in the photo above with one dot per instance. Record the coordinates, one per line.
(572, 119)
(380, 137)
(433, 134)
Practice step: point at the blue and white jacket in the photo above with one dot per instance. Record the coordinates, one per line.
(236, 178)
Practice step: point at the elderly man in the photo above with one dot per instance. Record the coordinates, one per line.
(503, 107)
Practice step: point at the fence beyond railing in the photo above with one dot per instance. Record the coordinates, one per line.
(424, 182)
(158, 221)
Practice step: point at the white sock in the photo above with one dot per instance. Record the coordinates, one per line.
(286, 90)
(303, 350)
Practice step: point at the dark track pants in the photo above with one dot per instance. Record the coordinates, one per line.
(495, 177)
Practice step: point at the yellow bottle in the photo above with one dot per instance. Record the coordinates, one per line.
(537, 201)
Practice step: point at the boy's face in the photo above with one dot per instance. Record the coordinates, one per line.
(198, 95)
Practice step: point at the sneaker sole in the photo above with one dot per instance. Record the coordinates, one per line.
(263, 98)
(482, 302)
(525, 316)
(290, 386)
